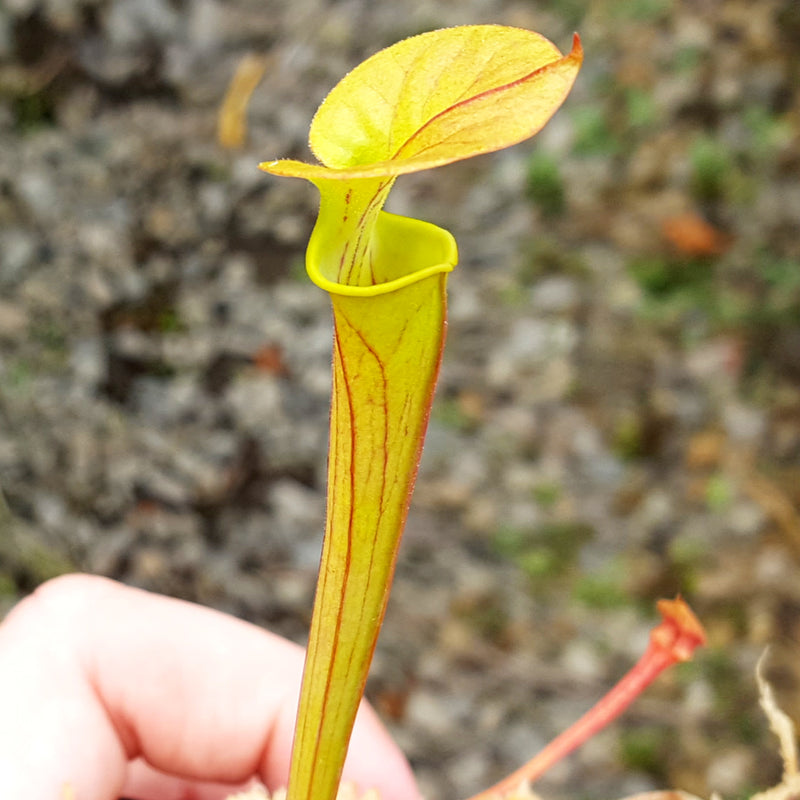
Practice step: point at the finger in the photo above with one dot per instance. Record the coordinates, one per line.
(94, 674)
(145, 782)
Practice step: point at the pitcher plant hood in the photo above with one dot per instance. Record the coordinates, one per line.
(427, 101)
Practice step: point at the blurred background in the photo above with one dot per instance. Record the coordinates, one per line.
(618, 417)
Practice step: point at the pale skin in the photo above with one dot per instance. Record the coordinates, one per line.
(115, 692)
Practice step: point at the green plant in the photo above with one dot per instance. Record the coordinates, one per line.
(640, 107)
(642, 749)
(547, 493)
(593, 133)
(545, 552)
(5, 519)
(711, 169)
(545, 185)
(544, 256)
(603, 589)
(427, 101)
(678, 292)
(640, 10)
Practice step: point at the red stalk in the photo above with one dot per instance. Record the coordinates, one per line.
(672, 640)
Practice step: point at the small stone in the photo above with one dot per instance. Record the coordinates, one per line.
(555, 295)
(435, 712)
(206, 24)
(582, 663)
(150, 565)
(656, 510)
(50, 510)
(130, 23)
(705, 450)
(746, 518)
(39, 191)
(21, 8)
(16, 255)
(468, 769)
(296, 506)
(13, 320)
(730, 771)
(88, 361)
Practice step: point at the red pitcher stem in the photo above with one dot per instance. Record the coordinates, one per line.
(672, 640)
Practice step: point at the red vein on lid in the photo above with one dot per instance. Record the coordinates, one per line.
(577, 52)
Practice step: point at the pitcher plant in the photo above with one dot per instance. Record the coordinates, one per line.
(425, 102)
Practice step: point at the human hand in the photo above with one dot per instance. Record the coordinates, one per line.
(116, 692)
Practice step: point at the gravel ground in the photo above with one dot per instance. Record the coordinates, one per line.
(618, 417)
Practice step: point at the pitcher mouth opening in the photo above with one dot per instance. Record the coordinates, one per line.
(408, 250)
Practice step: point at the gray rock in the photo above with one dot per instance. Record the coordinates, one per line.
(556, 295)
(13, 321)
(132, 23)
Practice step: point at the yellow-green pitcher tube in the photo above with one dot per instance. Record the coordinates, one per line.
(388, 341)
(428, 101)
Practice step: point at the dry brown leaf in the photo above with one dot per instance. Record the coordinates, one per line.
(777, 505)
(232, 121)
(691, 235)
